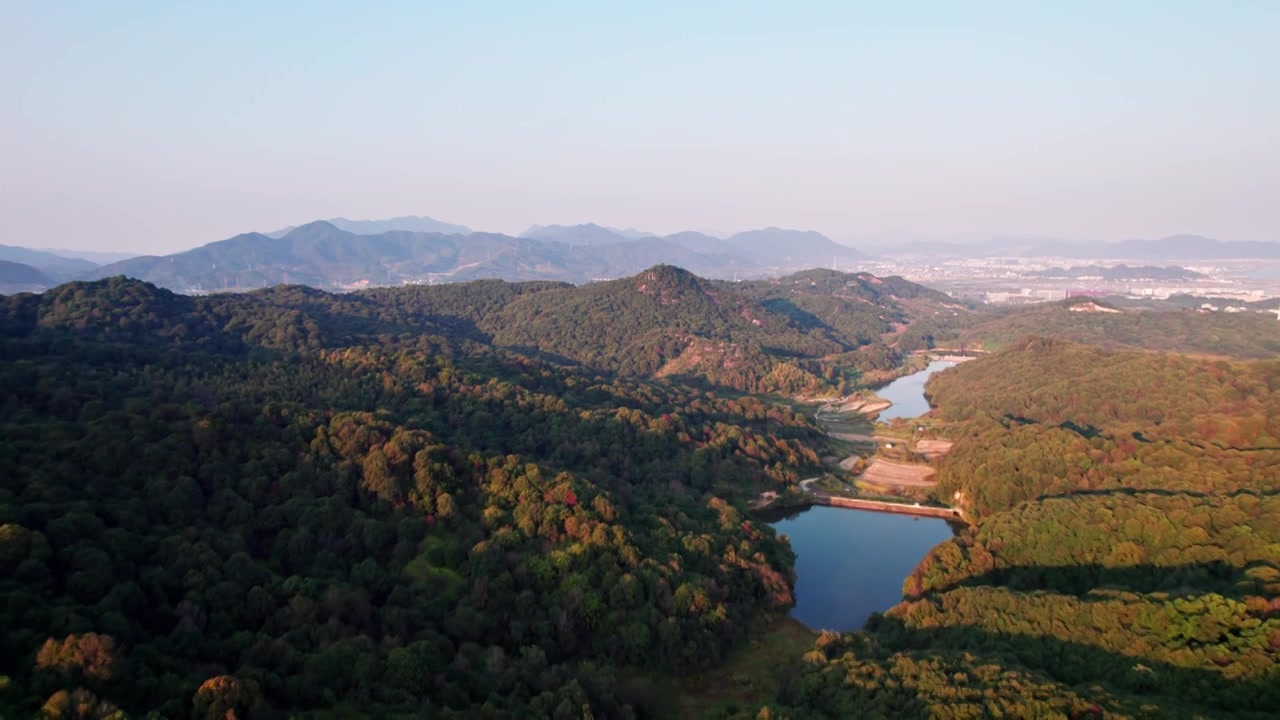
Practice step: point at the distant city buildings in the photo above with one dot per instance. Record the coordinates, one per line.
(999, 281)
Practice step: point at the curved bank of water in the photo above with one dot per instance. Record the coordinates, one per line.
(907, 393)
(851, 563)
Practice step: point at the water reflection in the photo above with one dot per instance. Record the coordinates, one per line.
(851, 563)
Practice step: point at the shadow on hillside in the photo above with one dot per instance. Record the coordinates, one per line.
(1088, 432)
(918, 670)
(1158, 492)
(1173, 689)
(553, 358)
(802, 319)
(1189, 579)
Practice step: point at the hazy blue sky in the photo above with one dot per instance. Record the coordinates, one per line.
(157, 126)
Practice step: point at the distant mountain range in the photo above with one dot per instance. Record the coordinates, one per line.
(342, 253)
(324, 255)
(585, 234)
(19, 277)
(1172, 248)
(407, 223)
(1187, 247)
(57, 267)
(807, 247)
(93, 256)
(1122, 272)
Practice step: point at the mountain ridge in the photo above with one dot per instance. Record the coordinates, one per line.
(1183, 246)
(57, 266)
(807, 246)
(323, 255)
(410, 223)
(19, 277)
(786, 334)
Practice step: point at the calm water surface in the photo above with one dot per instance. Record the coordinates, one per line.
(850, 563)
(907, 393)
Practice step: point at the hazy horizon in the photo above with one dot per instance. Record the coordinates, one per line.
(152, 128)
(873, 241)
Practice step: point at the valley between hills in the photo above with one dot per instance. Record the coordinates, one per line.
(501, 499)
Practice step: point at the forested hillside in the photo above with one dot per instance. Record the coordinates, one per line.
(425, 500)
(1056, 418)
(813, 332)
(273, 503)
(1126, 562)
(502, 500)
(1247, 335)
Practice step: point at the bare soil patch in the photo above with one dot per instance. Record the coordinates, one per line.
(933, 448)
(883, 472)
(765, 500)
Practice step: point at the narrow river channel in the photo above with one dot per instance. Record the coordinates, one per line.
(907, 393)
(851, 563)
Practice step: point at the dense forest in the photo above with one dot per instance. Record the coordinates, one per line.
(1244, 335)
(500, 500)
(1126, 558)
(812, 332)
(290, 501)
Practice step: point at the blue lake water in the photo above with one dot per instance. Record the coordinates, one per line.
(851, 563)
(907, 393)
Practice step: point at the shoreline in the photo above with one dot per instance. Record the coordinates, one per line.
(953, 514)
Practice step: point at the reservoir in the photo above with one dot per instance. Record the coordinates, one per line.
(851, 563)
(907, 393)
